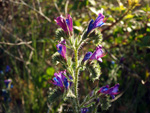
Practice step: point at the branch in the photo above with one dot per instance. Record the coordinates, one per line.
(37, 11)
(17, 58)
(2, 27)
(117, 21)
(57, 8)
(16, 44)
(66, 7)
(40, 8)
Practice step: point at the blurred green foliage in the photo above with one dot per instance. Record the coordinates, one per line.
(27, 36)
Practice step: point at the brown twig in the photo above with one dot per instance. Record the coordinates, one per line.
(17, 58)
(57, 8)
(37, 11)
(66, 7)
(18, 38)
(16, 44)
(118, 20)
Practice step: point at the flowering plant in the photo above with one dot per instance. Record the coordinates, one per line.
(67, 81)
(5, 86)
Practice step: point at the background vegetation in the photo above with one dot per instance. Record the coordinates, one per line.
(27, 36)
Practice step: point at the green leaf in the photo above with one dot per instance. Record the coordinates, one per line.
(60, 34)
(50, 71)
(77, 22)
(54, 95)
(46, 77)
(57, 58)
(105, 103)
(94, 69)
(148, 29)
(115, 8)
(96, 37)
(129, 16)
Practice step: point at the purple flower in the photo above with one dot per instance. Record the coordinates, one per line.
(1, 72)
(4, 92)
(60, 80)
(111, 91)
(84, 110)
(113, 62)
(61, 48)
(104, 89)
(87, 56)
(97, 23)
(122, 60)
(65, 23)
(7, 82)
(5, 95)
(69, 23)
(7, 69)
(96, 55)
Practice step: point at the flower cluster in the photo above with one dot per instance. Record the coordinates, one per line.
(8, 69)
(61, 48)
(97, 23)
(111, 91)
(96, 55)
(65, 23)
(7, 84)
(61, 81)
(84, 110)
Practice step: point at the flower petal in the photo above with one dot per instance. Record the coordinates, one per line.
(97, 23)
(69, 23)
(61, 48)
(87, 56)
(61, 22)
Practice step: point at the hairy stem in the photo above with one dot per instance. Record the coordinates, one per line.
(90, 99)
(76, 80)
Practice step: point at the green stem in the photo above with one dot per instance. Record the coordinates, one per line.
(76, 80)
(90, 99)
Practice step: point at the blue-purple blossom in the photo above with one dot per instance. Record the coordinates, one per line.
(97, 23)
(6, 95)
(122, 60)
(111, 91)
(69, 23)
(84, 110)
(7, 69)
(113, 62)
(65, 23)
(7, 82)
(104, 89)
(4, 92)
(87, 56)
(61, 48)
(1, 72)
(60, 80)
(96, 55)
